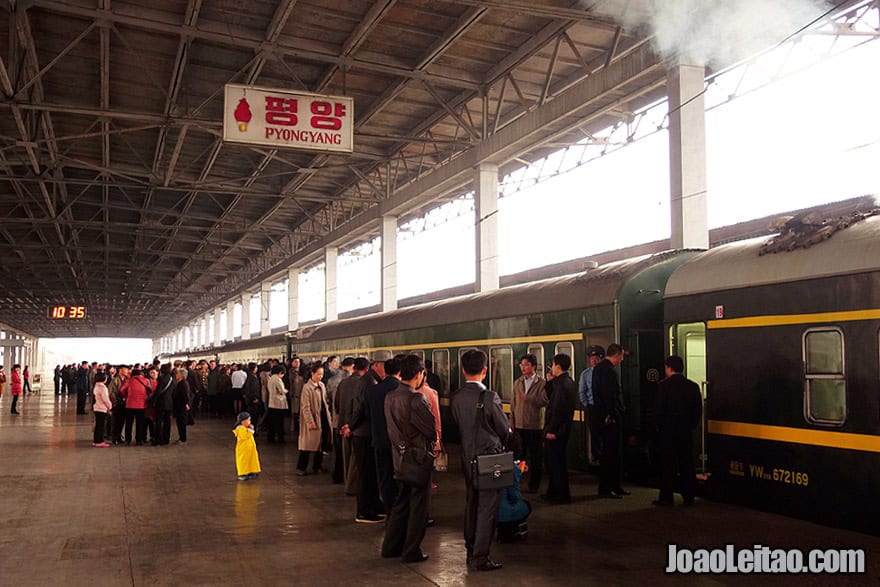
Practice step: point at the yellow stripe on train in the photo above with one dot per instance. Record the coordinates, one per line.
(827, 438)
(790, 319)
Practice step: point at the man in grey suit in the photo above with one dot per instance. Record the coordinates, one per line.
(484, 430)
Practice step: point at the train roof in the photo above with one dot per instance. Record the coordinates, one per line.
(828, 250)
(593, 287)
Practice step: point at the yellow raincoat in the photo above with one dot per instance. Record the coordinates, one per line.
(247, 460)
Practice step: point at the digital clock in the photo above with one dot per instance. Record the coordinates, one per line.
(67, 312)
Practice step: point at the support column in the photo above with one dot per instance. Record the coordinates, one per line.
(486, 209)
(388, 233)
(265, 294)
(218, 336)
(687, 157)
(230, 325)
(293, 298)
(8, 358)
(246, 316)
(330, 256)
(209, 332)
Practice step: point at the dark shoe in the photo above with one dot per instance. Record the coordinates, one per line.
(419, 559)
(662, 503)
(690, 502)
(430, 522)
(611, 495)
(622, 491)
(368, 520)
(489, 565)
(300, 473)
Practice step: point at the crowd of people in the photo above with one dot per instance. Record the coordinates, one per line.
(380, 421)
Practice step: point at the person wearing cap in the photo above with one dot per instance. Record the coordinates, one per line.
(595, 354)
(247, 461)
(608, 398)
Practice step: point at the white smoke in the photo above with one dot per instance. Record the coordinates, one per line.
(717, 33)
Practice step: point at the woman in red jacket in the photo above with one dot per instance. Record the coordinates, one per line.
(135, 392)
(15, 386)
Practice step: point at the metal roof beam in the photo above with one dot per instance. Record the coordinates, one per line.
(231, 36)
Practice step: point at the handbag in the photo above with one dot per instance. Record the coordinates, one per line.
(416, 464)
(441, 461)
(494, 471)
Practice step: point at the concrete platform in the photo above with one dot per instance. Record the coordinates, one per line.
(177, 515)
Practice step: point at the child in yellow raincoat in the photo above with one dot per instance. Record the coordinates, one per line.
(247, 461)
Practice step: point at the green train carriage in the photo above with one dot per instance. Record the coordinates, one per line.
(618, 301)
(787, 348)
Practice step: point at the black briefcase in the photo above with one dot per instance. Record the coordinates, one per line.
(493, 471)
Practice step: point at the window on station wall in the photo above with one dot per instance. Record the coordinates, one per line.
(311, 294)
(278, 308)
(461, 379)
(440, 359)
(236, 320)
(358, 279)
(187, 337)
(566, 348)
(224, 324)
(501, 371)
(825, 376)
(211, 322)
(254, 314)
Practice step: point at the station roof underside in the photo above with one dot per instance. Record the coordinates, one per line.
(119, 193)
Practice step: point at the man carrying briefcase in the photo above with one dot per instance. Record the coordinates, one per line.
(484, 431)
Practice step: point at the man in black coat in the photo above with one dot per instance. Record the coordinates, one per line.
(379, 428)
(484, 431)
(679, 408)
(557, 429)
(608, 398)
(409, 424)
(82, 387)
(354, 424)
(57, 379)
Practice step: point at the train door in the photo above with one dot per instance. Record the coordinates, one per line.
(689, 342)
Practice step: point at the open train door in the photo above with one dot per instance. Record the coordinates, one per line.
(688, 341)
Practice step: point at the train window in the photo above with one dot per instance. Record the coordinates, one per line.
(538, 351)
(419, 354)
(441, 369)
(566, 348)
(461, 379)
(501, 371)
(824, 374)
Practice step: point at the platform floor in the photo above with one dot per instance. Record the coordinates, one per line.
(177, 515)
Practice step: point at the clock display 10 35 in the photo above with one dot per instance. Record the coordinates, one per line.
(67, 312)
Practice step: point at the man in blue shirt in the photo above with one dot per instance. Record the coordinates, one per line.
(595, 354)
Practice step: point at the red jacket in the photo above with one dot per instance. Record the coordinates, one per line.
(15, 386)
(135, 392)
